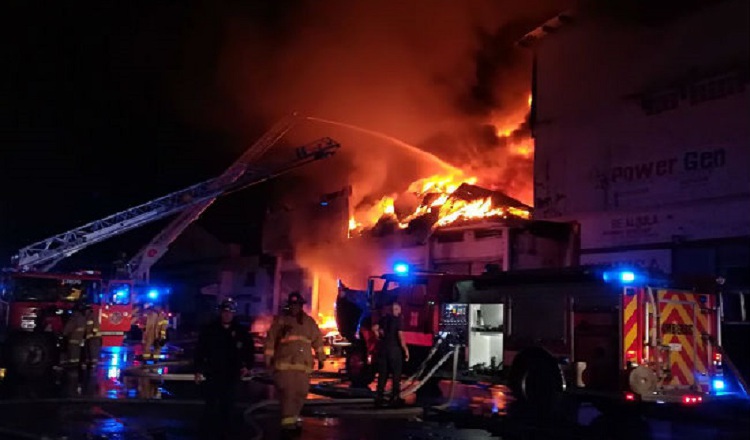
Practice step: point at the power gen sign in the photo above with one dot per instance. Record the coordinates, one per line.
(684, 177)
(688, 162)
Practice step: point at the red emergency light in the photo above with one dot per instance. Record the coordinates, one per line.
(691, 400)
(630, 397)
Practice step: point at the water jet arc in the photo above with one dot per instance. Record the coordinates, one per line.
(396, 141)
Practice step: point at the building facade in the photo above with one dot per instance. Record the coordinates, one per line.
(642, 136)
(202, 271)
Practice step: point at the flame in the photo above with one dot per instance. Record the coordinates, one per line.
(523, 148)
(434, 194)
(462, 210)
(514, 134)
(327, 322)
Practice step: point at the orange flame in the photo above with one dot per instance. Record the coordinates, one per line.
(326, 321)
(456, 210)
(435, 194)
(327, 324)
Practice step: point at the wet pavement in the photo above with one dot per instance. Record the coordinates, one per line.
(123, 400)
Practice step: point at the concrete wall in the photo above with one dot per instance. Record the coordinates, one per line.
(642, 134)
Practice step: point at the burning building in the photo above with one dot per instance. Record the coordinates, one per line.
(454, 227)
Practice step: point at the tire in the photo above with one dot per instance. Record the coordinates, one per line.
(537, 381)
(359, 371)
(31, 355)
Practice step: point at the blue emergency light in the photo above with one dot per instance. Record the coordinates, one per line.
(121, 293)
(621, 276)
(153, 294)
(718, 384)
(401, 268)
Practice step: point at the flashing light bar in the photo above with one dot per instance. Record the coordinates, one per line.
(401, 268)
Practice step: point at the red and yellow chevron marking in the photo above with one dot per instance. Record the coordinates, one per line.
(632, 345)
(683, 322)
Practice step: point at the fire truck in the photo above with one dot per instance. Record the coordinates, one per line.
(592, 331)
(146, 296)
(113, 299)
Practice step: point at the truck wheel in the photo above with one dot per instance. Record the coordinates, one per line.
(31, 355)
(536, 380)
(358, 369)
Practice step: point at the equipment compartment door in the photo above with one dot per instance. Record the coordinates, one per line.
(682, 324)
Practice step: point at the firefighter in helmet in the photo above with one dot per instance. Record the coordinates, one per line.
(223, 355)
(74, 333)
(154, 332)
(288, 352)
(92, 337)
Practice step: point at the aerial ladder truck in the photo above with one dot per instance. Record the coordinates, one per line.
(34, 301)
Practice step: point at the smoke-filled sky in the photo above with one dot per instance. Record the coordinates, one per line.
(431, 73)
(106, 106)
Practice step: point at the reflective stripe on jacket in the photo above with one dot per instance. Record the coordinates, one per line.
(162, 325)
(92, 326)
(290, 343)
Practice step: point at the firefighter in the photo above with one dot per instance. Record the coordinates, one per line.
(390, 350)
(92, 338)
(162, 323)
(223, 356)
(151, 332)
(288, 352)
(74, 333)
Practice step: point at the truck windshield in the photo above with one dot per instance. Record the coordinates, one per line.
(53, 289)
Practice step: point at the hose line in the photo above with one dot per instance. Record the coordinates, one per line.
(410, 391)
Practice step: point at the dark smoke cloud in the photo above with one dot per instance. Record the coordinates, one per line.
(417, 70)
(437, 74)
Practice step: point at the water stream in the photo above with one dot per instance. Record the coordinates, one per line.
(398, 142)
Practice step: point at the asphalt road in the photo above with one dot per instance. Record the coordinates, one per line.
(113, 403)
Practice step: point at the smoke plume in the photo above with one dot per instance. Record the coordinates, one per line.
(443, 77)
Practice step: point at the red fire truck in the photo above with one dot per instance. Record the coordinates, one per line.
(598, 332)
(35, 305)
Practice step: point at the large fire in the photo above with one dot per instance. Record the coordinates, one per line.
(434, 193)
(451, 196)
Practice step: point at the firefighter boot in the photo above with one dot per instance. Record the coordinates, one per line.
(292, 387)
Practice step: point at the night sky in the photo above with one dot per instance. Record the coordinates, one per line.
(105, 105)
(98, 113)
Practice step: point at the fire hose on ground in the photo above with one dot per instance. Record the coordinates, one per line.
(411, 390)
(250, 415)
(331, 407)
(423, 365)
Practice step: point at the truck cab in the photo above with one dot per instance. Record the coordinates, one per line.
(34, 307)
